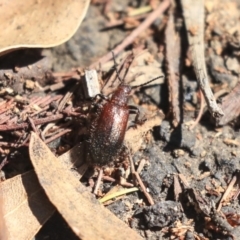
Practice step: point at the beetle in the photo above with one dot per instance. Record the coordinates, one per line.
(108, 130)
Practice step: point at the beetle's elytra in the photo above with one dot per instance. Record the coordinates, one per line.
(107, 134)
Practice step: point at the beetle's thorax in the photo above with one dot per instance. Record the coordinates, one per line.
(120, 96)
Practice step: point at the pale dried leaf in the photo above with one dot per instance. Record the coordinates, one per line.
(23, 196)
(33, 23)
(86, 217)
(3, 229)
(26, 207)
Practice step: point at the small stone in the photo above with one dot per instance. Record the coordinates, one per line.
(203, 153)
(8, 75)
(232, 64)
(162, 214)
(217, 47)
(178, 152)
(29, 84)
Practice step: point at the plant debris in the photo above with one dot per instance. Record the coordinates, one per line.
(177, 173)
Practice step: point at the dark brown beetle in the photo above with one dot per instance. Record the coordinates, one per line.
(108, 131)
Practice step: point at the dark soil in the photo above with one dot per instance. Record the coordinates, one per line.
(205, 157)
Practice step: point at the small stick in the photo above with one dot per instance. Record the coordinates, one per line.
(7, 106)
(227, 192)
(147, 195)
(119, 22)
(141, 28)
(177, 187)
(7, 144)
(40, 111)
(200, 111)
(195, 34)
(124, 183)
(3, 163)
(141, 165)
(46, 103)
(52, 118)
(98, 182)
(24, 143)
(184, 180)
(236, 194)
(65, 99)
(33, 125)
(5, 118)
(63, 74)
(110, 179)
(57, 135)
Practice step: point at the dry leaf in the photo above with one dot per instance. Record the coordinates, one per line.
(35, 24)
(23, 189)
(26, 207)
(3, 229)
(86, 217)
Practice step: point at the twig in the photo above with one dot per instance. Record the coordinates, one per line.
(52, 118)
(3, 163)
(5, 118)
(65, 99)
(184, 180)
(147, 195)
(54, 98)
(195, 29)
(200, 111)
(177, 187)
(98, 182)
(125, 20)
(141, 165)
(124, 183)
(110, 179)
(57, 135)
(33, 125)
(40, 111)
(173, 59)
(228, 190)
(129, 39)
(10, 104)
(63, 74)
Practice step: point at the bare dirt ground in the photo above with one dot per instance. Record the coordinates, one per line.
(190, 167)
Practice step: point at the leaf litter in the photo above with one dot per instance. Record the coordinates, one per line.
(192, 187)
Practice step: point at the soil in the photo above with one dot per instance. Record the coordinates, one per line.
(186, 170)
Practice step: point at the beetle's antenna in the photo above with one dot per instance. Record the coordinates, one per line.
(144, 84)
(115, 66)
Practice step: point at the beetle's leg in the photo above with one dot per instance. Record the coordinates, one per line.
(135, 110)
(97, 104)
(115, 67)
(101, 96)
